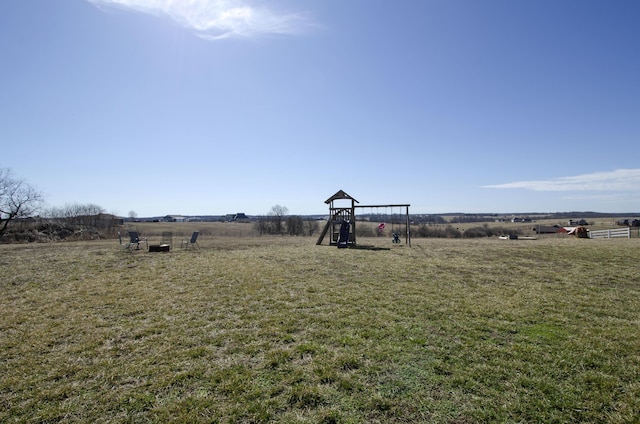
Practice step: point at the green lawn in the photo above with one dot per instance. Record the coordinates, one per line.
(280, 330)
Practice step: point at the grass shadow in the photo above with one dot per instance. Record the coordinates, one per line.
(368, 247)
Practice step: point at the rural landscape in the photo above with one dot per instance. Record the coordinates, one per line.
(249, 328)
(171, 252)
(459, 318)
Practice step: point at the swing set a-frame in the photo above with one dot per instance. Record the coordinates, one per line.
(341, 224)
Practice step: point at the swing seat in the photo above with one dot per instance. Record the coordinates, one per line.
(396, 238)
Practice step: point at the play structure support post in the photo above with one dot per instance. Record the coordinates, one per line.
(408, 228)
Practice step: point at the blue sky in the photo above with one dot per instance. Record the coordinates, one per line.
(214, 107)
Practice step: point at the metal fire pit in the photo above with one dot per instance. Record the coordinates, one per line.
(159, 247)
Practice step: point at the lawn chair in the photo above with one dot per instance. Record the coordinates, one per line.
(167, 239)
(134, 238)
(124, 245)
(193, 241)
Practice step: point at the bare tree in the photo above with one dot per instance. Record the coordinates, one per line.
(311, 227)
(17, 199)
(76, 213)
(278, 210)
(133, 215)
(276, 215)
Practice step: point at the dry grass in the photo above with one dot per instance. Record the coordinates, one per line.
(278, 329)
(184, 229)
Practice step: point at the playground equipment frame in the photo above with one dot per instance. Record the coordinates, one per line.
(407, 226)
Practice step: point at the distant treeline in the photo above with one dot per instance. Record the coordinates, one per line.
(439, 231)
(286, 225)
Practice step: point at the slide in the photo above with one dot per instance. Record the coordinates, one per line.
(343, 241)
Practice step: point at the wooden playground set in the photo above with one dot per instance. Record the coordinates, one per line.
(342, 221)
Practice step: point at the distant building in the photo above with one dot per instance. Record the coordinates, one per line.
(519, 219)
(174, 218)
(629, 222)
(241, 217)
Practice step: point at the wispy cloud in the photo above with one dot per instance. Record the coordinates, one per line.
(217, 19)
(618, 180)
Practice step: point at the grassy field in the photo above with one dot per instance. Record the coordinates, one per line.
(259, 329)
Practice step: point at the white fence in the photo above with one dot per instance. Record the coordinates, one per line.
(616, 232)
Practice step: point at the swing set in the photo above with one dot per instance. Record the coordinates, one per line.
(342, 221)
(396, 220)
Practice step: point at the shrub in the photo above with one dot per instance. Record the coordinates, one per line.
(311, 227)
(438, 231)
(265, 226)
(364, 229)
(295, 226)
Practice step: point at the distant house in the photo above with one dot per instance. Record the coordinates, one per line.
(521, 219)
(241, 217)
(174, 218)
(629, 222)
